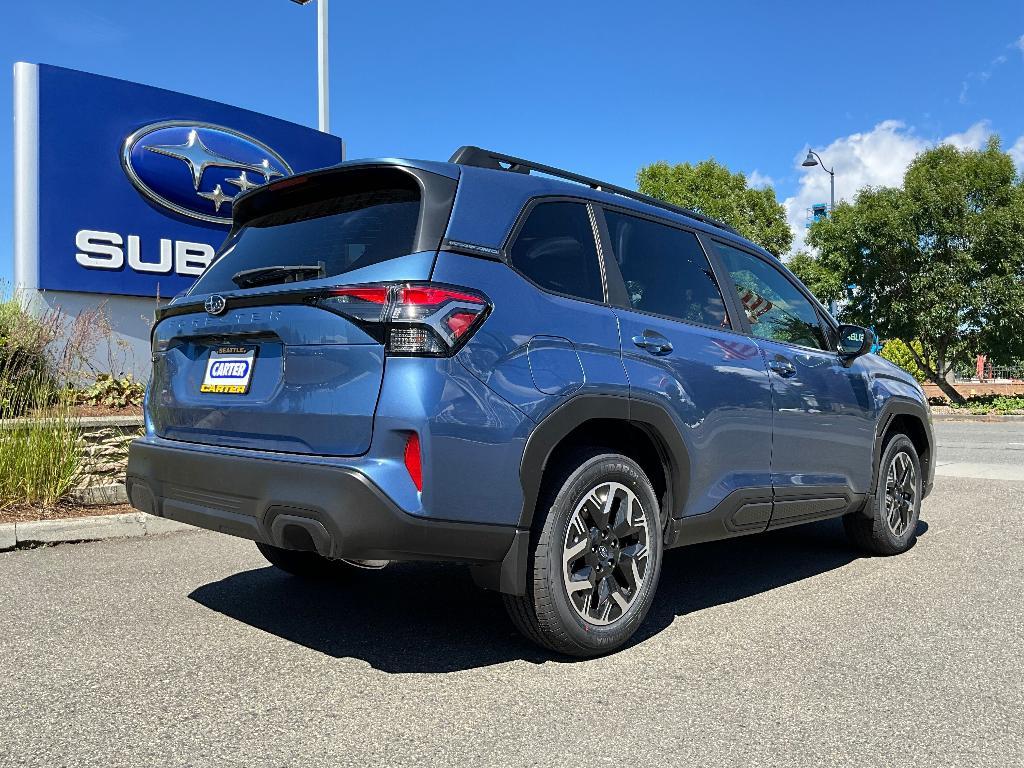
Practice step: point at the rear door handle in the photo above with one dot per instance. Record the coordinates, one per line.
(782, 367)
(653, 342)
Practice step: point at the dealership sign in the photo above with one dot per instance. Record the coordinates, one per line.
(239, 162)
(126, 189)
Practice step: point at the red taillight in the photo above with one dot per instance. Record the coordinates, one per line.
(413, 462)
(375, 295)
(460, 322)
(411, 318)
(432, 296)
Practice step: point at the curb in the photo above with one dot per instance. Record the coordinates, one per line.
(73, 529)
(977, 417)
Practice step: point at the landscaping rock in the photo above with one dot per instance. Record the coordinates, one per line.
(100, 495)
(104, 446)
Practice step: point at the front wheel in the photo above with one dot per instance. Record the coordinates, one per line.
(595, 561)
(888, 524)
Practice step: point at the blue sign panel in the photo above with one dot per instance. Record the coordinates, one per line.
(135, 183)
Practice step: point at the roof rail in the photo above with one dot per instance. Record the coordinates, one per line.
(483, 158)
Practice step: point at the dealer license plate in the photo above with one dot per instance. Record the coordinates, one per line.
(229, 371)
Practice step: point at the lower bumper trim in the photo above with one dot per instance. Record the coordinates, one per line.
(335, 511)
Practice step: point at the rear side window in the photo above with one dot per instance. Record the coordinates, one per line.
(319, 238)
(556, 250)
(665, 270)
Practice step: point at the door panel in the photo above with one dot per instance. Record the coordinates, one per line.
(715, 386)
(823, 425)
(680, 352)
(823, 428)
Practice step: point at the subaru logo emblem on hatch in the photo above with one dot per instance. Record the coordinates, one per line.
(215, 304)
(197, 169)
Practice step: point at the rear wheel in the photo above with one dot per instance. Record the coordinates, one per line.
(595, 560)
(310, 565)
(895, 507)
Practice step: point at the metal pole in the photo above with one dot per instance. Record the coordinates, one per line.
(322, 69)
(832, 179)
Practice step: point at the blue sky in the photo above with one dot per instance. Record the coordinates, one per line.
(599, 87)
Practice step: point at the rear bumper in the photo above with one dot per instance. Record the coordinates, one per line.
(335, 511)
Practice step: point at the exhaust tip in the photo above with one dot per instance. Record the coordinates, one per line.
(301, 533)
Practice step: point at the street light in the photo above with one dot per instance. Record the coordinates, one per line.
(812, 159)
(321, 63)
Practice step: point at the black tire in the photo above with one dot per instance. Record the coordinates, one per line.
(306, 565)
(546, 614)
(882, 529)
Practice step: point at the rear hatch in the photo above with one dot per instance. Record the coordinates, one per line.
(267, 351)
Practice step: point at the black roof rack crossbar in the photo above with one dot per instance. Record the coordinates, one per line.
(484, 158)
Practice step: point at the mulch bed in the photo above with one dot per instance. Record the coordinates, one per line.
(98, 410)
(23, 513)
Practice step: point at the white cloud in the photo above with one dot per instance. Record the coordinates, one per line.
(1019, 44)
(1017, 153)
(874, 158)
(973, 138)
(964, 87)
(757, 179)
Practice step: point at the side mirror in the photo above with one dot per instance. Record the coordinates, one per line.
(854, 341)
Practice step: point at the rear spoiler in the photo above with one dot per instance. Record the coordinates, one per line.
(437, 195)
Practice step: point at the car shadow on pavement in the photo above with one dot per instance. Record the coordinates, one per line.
(430, 617)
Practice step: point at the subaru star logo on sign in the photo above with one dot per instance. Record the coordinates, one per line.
(127, 189)
(196, 169)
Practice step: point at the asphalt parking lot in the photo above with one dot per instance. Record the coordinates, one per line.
(785, 650)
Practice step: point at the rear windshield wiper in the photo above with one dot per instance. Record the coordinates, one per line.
(281, 273)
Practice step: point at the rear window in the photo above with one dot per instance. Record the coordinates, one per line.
(556, 250)
(319, 238)
(666, 271)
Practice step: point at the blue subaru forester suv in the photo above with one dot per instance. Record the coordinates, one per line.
(496, 362)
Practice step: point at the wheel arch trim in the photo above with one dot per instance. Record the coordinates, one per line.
(652, 418)
(903, 406)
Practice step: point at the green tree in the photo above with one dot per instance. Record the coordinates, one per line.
(939, 261)
(825, 284)
(713, 190)
(899, 352)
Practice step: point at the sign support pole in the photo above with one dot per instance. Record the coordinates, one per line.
(323, 96)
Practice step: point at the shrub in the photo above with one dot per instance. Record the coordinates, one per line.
(27, 371)
(896, 351)
(113, 392)
(39, 456)
(45, 357)
(982, 404)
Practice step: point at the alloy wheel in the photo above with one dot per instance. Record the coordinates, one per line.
(605, 553)
(900, 493)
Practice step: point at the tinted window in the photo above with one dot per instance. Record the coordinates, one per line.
(665, 270)
(555, 248)
(776, 309)
(326, 237)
